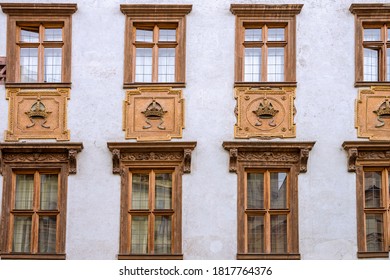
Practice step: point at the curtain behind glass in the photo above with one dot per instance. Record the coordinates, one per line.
(47, 234)
(24, 191)
(22, 234)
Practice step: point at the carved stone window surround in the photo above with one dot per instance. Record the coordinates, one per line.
(365, 156)
(289, 156)
(29, 157)
(128, 156)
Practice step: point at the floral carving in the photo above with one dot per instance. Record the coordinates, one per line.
(35, 157)
(268, 156)
(153, 156)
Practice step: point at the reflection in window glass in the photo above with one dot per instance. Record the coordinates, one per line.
(372, 189)
(53, 62)
(276, 34)
(29, 34)
(47, 234)
(140, 191)
(255, 191)
(53, 34)
(252, 65)
(372, 34)
(143, 65)
(166, 65)
(163, 191)
(275, 65)
(22, 234)
(279, 233)
(374, 232)
(162, 235)
(143, 35)
(167, 35)
(371, 62)
(255, 234)
(28, 65)
(278, 190)
(49, 192)
(252, 35)
(139, 235)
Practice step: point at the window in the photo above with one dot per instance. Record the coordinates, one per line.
(265, 43)
(372, 47)
(155, 44)
(151, 197)
(34, 199)
(370, 161)
(267, 218)
(39, 44)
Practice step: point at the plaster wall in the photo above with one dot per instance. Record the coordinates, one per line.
(325, 113)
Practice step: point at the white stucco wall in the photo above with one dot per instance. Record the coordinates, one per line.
(325, 114)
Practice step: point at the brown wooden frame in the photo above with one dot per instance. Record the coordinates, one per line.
(154, 15)
(30, 158)
(364, 156)
(38, 14)
(370, 15)
(145, 156)
(273, 156)
(272, 15)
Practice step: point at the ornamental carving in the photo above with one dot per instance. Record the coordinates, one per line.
(37, 114)
(266, 154)
(35, 157)
(130, 154)
(373, 113)
(153, 114)
(264, 113)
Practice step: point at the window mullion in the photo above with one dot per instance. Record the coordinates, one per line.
(152, 183)
(264, 54)
(41, 54)
(35, 216)
(155, 55)
(267, 216)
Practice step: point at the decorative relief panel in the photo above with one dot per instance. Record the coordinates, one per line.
(37, 114)
(373, 113)
(265, 113)
(153, 114)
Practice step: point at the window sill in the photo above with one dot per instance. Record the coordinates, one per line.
(38, 85)
(371, 84)
(21, 256)
(150, 257)
(137, 85)
(366, 255)
(268, 256)
(265, 84)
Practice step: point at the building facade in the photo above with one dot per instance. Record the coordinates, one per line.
(195, 129)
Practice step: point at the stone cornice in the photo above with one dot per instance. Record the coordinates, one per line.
(252, 10)
(155, 10)
(38, 9)
(370, 9)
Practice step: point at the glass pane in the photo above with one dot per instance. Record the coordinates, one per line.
(167, 35)
(166, 65)
(252, 71)
(255, 191)
(29, 34)
(256, 234)
(47, 234)
(22, 234)
(139, 235)
(372, 189)
(49, 191)
(143, 65)
(28, 65)
(279, 233)
(388, 65)
(374, 232)
(53, 62)
(372, 34)
(143, 35)
(275, 66)
(276, 34)
(253, 35)
(24, 191)
(53, 34)
(162, 235)
(140, 191)
(278, 190)
(371, 62)
(164, 191)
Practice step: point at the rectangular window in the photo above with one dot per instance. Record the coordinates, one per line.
(265, 43)
(151, 212)
(155, 44)
(376, 209)
(267, 211)
(34, 212)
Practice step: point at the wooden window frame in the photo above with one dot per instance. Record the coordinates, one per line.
(370, 15)
(38, 14)
(154, 15)
(369, 156)
(23, 158)
(273, 15)
(273, 156)
(172, 156)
